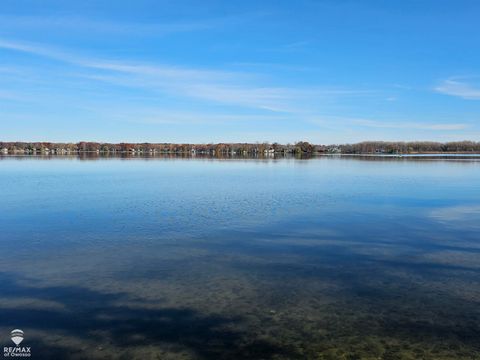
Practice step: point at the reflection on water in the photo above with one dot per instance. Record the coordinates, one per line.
(326, 258)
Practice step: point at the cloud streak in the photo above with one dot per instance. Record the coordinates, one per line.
(82, 24)
(216, 86)
(457, 88)
(409, 125)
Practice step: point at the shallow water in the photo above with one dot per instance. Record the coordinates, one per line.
(325, 258)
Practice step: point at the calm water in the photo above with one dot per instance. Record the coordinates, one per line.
(328, 258)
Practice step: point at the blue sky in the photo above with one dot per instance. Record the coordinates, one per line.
(211, 71)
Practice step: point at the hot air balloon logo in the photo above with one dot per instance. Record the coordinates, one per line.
(16, 336)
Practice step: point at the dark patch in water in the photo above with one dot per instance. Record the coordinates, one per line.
(96, 317)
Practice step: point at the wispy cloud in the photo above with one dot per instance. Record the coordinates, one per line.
(459, 88)
(409, 125)
(39, 51)
(162, 116)
(218, 86)
(103, 26)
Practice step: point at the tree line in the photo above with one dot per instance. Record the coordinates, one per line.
(160, 148)
(372, 147)
(302, 147)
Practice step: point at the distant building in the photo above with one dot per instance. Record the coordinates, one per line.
(334, 150)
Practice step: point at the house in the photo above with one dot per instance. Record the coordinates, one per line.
(334, 150)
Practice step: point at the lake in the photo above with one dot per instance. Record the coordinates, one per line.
(325, 258)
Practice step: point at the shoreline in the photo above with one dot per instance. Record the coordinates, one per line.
(270, 156)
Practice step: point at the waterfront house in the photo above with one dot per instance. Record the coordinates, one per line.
(334, 150)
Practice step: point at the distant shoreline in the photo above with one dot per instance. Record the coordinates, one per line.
(220, 156)
(243, 149)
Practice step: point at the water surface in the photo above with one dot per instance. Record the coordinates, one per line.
(326, 258)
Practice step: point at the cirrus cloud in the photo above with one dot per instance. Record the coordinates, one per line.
(459, 88)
